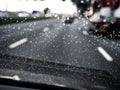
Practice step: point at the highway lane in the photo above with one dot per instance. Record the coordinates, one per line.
(53, 41)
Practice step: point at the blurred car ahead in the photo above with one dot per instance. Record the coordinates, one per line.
(68, 20)
(106, 19)
(4, 14)
(105, 23)
(23, 14)
(36, 14)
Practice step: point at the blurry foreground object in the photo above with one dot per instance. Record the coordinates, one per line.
(105, 15)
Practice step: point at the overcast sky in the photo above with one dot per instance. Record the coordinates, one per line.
(56, 6)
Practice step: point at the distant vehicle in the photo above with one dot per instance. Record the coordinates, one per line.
(68, 20)
(37, 14)
(4, 14)
(23, 14)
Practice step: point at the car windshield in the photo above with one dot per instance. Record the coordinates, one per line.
(74, 35)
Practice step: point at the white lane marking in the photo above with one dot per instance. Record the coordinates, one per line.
(15, 77)
(105, 54)
(60, 85)
(20, 42)
(45, 29)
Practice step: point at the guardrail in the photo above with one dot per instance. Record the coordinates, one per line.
(10, 20)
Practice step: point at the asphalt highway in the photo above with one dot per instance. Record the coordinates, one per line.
(52, 40)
